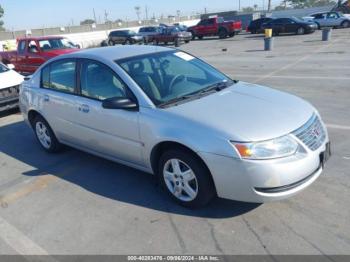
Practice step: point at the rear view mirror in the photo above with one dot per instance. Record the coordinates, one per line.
(119, 103)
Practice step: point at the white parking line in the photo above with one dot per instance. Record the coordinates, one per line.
(299, 60)
(293, 77)
(18, 241)
(338, 126)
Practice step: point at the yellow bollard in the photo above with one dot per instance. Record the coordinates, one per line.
(268, 33)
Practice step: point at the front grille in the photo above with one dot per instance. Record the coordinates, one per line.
(312, 134)
(10, 92)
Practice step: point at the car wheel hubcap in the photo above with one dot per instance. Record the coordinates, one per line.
(43, 135)
(180, 180)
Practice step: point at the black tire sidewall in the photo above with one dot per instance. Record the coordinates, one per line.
(206, 190)
(55, 145)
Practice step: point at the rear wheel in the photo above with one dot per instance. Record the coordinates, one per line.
(45, 135)
(200, 37)
(222, 33)
(318, 26)
(111, 43)
(185, 178)
(300, 31)
(232, 34)
(345, 24)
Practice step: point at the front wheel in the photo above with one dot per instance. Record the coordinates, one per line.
(45, 135)
(185, 178)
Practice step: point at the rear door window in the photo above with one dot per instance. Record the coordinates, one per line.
(60, 76)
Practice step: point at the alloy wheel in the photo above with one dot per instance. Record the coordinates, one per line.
(180, 180)
(43, 134)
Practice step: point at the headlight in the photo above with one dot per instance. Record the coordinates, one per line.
(274, 148)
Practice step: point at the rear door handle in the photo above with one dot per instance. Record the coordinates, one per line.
(84, 108)
(46, 98)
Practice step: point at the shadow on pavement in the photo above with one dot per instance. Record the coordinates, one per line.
(103, 177)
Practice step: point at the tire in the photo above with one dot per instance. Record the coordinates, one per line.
(200, 37)
(345, 24)
(155, 42)
(232, 35)
(193, 35)
(300, 31)
(111, 43)
(128, 42)
(318, 26)
(45, 135)
(222, 33)
(187, 41)
(197, 181)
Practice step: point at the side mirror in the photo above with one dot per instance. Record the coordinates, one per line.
(120, 103)
(11, 66)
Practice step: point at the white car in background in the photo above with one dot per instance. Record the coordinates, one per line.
(9, 87)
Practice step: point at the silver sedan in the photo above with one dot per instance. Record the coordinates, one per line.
(170, 114)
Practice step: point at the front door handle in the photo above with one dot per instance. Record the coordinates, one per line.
(46, 98)
(84, 108)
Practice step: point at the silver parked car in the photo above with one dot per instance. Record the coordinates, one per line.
(330, 19)
(168, 113)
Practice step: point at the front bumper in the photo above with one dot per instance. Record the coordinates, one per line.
(261, 181)
(9, 98)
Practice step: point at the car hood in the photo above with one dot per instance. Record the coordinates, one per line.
(10, 78)
(58, 52)
(247, 112)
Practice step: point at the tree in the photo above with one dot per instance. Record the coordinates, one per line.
(248, 9)
(1, 22)
(87, 22)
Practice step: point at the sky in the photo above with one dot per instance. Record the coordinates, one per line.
(30, 14)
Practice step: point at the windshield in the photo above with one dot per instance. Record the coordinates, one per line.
(58, 43)
(3, 68)
(166, 76)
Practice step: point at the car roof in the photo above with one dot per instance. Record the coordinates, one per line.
(38, 38)
(117, 52)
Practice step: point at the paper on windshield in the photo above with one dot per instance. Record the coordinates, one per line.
(184, 56)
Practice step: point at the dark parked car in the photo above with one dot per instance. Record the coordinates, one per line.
(172, 34)
(290, 25)
(255, 26)
(124, 37)
(148, 32)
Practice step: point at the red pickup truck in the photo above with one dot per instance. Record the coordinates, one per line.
(215, 27)
(34, 51)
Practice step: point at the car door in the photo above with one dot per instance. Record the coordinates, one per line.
(277, 25)
(111, 132)
(320, 19)
(290, 26)
(212, 26)
(333, 19)
(58, 98)
(34, 57)
(201, 27)
(21, 56)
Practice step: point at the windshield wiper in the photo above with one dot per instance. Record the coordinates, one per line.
(216, 87)
(211, 88)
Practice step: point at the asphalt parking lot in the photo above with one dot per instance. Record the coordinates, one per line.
(76, 203)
